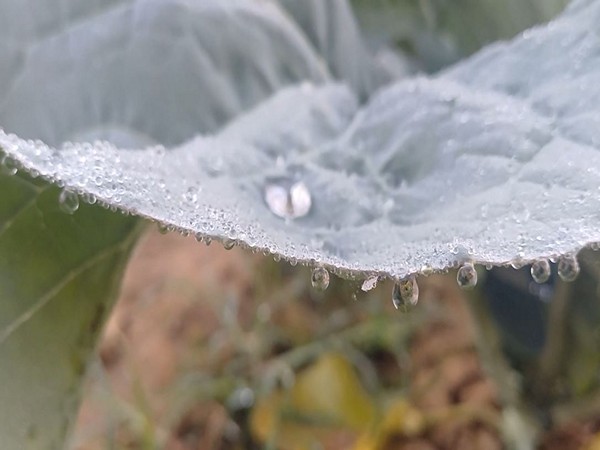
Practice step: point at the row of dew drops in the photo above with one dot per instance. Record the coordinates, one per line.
(405, 293)
(68, 200)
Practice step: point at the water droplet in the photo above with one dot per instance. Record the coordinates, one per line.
(405, 294)
(517, 264)
(8, 166)
(68, 201)
(426, 270)
(467, 276)
(90, 199)
(320, 278)
(191, 195)
(369, 283)
(288, 201)
(207, 240)
(568, 268)
(242, 398)
(540, 271)
(228, 244)
(484, 211)
(162, 228)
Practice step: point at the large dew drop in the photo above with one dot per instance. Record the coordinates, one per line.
(467, 276)
(320, 278)
(540, 271)
(8, 166)
(68, 201)
(568, 268)
(405, 294)
(289, 201)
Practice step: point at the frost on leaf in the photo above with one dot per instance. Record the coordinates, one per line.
(494, 160)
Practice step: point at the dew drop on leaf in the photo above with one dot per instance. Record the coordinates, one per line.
(68, 201)
(568, 268)
(288, 201)
(320, 278)
(405, 294)
(8, 166)
(191, 195)
(540, 271)
(467, 276)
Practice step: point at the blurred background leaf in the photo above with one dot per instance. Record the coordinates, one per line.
(59, 276)
(436, 33)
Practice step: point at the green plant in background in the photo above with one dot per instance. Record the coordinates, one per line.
(314, 147)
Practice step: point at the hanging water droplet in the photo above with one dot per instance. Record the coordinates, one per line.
(8, 166)
(517, 264)
(540, 271)
(228, 244)
(369, 283)
(320, 278)
(68, 201)
(162, 228)
(288, 201)
(426, 270)
(467, 276)
(207, 240)
(568, 268)
(89, 198)
(405, 294)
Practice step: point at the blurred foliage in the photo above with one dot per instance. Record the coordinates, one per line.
(267, 362)
(436, 33)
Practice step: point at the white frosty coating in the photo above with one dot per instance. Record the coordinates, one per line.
(496, 160)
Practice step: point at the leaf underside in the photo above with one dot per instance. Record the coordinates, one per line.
(493, 160)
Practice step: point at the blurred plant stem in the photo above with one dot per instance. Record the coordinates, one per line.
(520, 426)
(547, 369)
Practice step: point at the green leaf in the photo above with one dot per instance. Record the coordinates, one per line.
(58, 279)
